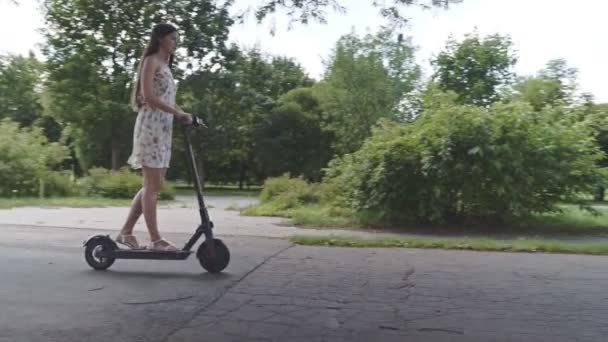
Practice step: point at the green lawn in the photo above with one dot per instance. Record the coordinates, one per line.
(534, 235)
(306, 215)
(572, 221)
(458, 244)
(73, 202)
(186, 190)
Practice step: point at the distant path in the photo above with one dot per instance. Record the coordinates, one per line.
(181, 216)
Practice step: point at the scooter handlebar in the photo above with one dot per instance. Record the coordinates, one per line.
(197, 122)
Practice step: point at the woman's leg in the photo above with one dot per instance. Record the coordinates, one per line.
(134, 214)
(153, 179)
(152, 183)
(126, 233)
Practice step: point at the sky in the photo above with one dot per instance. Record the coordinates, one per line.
(540, 29)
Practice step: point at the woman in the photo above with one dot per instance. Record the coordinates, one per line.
(153, 97)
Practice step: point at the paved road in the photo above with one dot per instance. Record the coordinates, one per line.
(273, 291)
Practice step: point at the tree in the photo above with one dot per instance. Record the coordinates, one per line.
(538, 92)
(93, 49)
(555, 84)
(290, 138)
(367, 79)
(20, 81)
(598, 116)
(233, 100)
(566, 77)
(475, 68)
(302, 11)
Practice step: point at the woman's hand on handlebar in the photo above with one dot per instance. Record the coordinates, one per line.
(185, 118)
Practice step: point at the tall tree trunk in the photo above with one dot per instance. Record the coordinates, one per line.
(600, 192)
(115, 154)
(242, 174)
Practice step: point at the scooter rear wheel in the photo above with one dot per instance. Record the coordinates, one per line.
(213, 261)
(91, 255)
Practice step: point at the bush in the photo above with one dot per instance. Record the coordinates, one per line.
(458, 163)
(60, 184)
(167, 191)
(123, 183)
(288, 192)
(26, 157)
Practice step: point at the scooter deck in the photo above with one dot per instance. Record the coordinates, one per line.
(149, 254)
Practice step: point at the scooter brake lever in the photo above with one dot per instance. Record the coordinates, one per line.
(198, 122)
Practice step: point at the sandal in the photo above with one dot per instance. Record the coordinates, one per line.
(163, 245)
(129, 241)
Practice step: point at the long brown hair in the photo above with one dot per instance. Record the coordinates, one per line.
(158, 32)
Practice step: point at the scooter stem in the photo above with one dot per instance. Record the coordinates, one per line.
(195, 176)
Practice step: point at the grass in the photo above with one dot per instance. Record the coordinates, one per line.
(75, 202)
(218, 191)
(305, 215)
(92, 202)
(572, 221)
(455, 244)
(72, 202)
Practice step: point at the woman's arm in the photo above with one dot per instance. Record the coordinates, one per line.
(147, 85)
(187, 117)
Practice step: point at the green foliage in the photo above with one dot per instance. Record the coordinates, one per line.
(475, 68)
(463, 163)
(385, 171)
(599, 119)
(526, 246)
(122, 183)
(555, 85)
(26, 159)
(93, 47)
(286, 192)
(557, 70)
(63, 202)
(290, 138)
(20, 79)
(368, 78)
(303, 11)
(62, 184)
(237, 102)
(538, 92)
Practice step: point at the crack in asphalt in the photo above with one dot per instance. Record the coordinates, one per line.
(224, 292)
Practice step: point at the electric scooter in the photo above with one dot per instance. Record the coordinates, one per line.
(101, 251)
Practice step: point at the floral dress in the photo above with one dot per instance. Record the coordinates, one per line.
(154, 128)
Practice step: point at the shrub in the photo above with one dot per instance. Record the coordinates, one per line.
(26, 157)
(119, 184)
(458, 163)
(167, 191)
(60, 184)
(288, 192)
(123, 183)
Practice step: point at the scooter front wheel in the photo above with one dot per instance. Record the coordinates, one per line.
(214, 259)
(92, 254)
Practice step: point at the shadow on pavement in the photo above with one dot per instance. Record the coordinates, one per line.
(125, 275)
